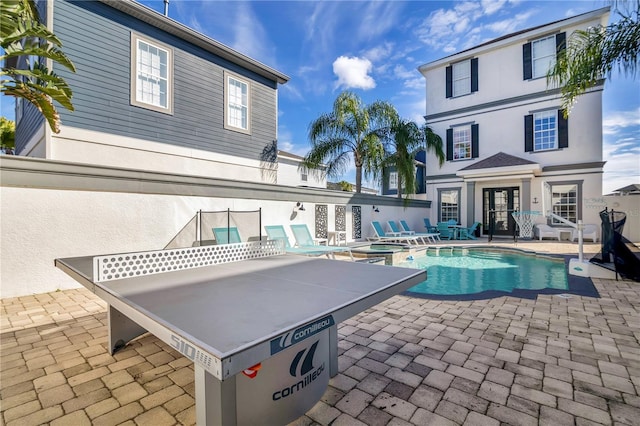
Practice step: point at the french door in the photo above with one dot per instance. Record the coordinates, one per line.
(499, 203)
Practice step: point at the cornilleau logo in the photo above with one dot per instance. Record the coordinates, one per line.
(307, 364)
(291, 338)
(303, 371)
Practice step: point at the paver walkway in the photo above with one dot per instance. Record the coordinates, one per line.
(556, 360)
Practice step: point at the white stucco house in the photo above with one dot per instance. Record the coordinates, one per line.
(505, 131)
(290, 173)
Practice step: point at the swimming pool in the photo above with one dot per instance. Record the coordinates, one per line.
(472, 272)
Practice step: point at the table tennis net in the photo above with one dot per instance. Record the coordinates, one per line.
(130, 265)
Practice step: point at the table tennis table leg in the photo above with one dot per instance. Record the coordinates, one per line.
(333, 351)
(121, 330)
(215, 399)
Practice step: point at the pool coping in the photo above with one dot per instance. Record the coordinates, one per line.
(578, 286)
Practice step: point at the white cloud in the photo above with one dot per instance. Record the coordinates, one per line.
(463, 25)
(492, 6)
(353, 73)
(507, 26)
(377, 18)
(623, 163)
(617, 120)
(378, 53)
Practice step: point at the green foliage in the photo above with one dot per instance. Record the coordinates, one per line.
(351, 132)
(345, 186)
(595, 53)
(23, 36)
(7, 133)
(408, 139)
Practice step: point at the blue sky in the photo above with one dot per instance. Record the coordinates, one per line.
(374, 48)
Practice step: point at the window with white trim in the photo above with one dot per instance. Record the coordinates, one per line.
(545, 130)
(461, 78)
(564, 199)
(461, 143)
(543, 55)
(448, 204)
(393, 180)
(151, 75)
(237, 107)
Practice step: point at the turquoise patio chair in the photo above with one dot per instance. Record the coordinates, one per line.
(391, 236)
(304, 240)
(445, 232)
(396, 230)
(381, 235)
(303, 236)
(426, 236)
(227, 235)
(277, 232)
(468, 233)
(429, 226)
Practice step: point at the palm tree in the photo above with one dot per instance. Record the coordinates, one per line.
(408, 139)
(594, 53)
(23, 35)
(351, 130)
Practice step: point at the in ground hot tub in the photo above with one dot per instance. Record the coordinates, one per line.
(393, 253)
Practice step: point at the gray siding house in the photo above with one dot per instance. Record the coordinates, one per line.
(150, 93)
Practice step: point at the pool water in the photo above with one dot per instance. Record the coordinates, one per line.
(470, 271)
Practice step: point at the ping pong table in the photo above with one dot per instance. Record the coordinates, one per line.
(259, 324)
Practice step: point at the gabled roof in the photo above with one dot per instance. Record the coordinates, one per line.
(629, 189)
(171, 26)
(499, 160)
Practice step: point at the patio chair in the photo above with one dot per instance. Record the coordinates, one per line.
(546, 231)
(227, 235)
(589, 232)
(468, 233)
(426, 236)
(303, 236)
(380, 235)
(396, 230)
(429, 226)
(445, 232)
(277, 232)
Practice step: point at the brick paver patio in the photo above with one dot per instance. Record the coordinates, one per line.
(556, 360)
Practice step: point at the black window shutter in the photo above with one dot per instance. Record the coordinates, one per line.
(563, 130)
(449, 89)
(474, 141)
(527, 66)
(449, 144)
(561, 42)
(528, 133)
(474, 75)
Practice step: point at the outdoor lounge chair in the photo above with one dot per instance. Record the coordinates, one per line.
(380, 235)
(277, 232)
(303, 236)
(546, 231)
(396, 230)
(426, 236)
(227, 235)
(589, 232)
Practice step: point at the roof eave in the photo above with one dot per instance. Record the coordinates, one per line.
(530, 169)
(171, 26)
(518, 35)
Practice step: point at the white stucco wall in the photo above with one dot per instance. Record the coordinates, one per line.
(288, 174)
(500, 74)
(91, 147)
(40, 224)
